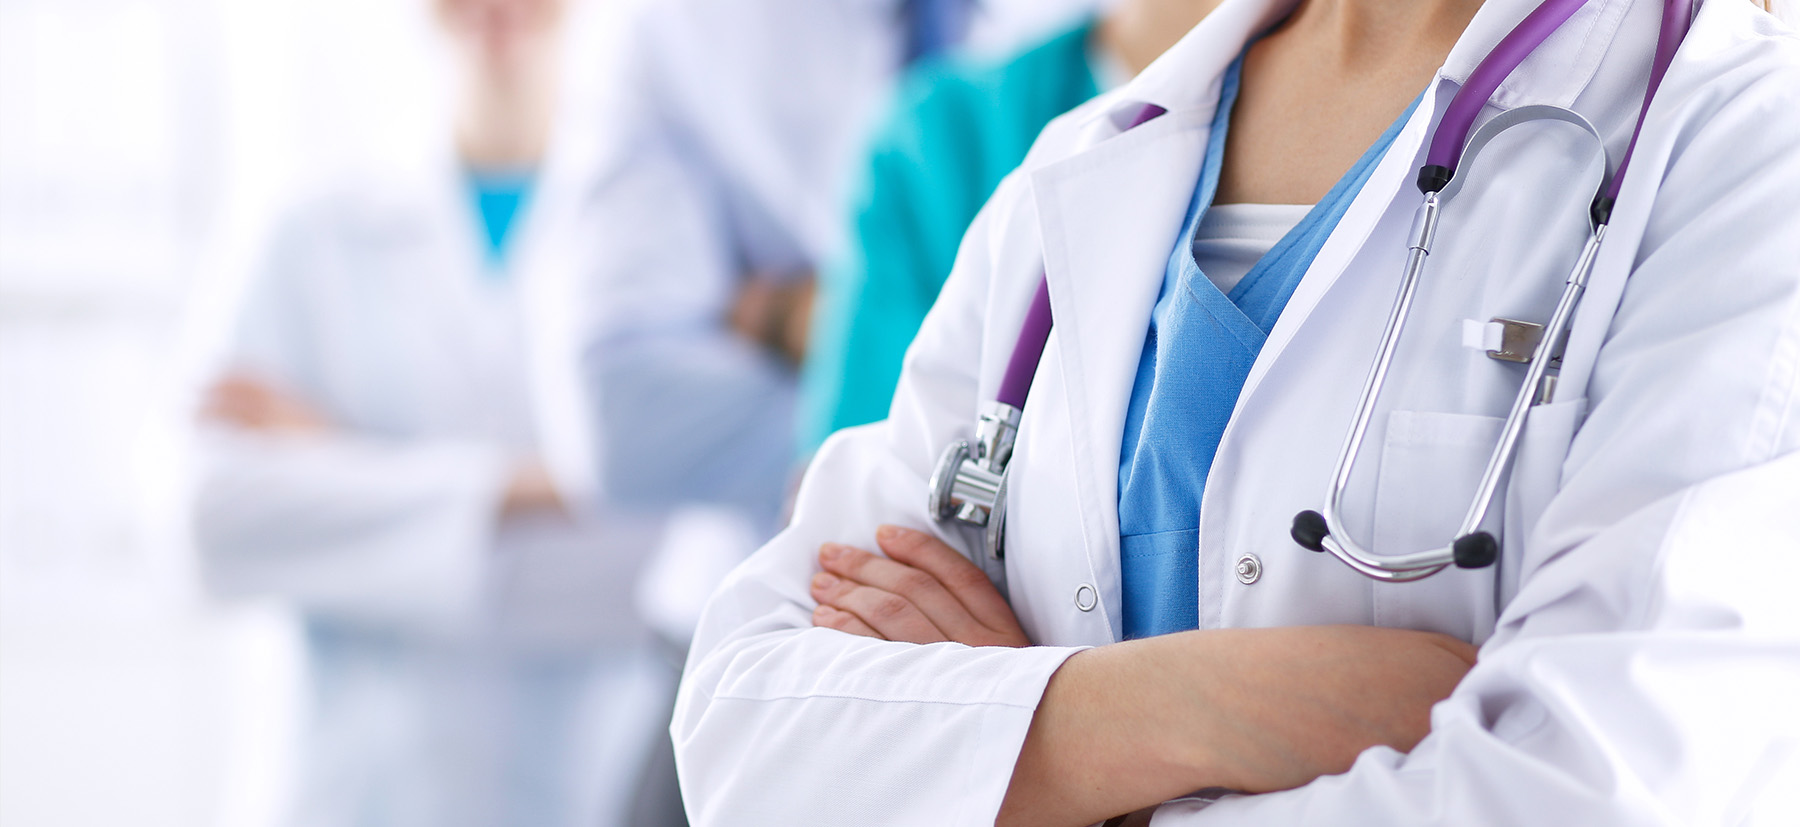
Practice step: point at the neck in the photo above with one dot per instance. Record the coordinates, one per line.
(1366, 33)
(1137, 32)
(503, 120)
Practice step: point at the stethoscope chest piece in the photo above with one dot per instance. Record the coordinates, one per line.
(969, 483)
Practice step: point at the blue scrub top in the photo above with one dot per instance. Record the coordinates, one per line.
(1196, 359)
(499, 198)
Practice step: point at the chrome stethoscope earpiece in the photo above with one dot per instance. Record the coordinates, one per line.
(1472, 548)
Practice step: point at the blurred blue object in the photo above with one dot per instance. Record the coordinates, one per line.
(499, 195)
(935, 26)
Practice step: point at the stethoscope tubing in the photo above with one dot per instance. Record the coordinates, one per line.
(1472, 547)
(1447, 144)
(1451, 145)
(1424, 232)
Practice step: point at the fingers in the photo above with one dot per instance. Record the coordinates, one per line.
(889, 615)
(914, 585)
(249, 403)
(843, 621)
(237, 401)
(924, 591)
(968, 583)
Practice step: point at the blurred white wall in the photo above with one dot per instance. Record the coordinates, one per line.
(142, 143)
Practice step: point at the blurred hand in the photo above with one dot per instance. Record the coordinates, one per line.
(775, 313)
(251, 404)
(923, 591)
(531, 490)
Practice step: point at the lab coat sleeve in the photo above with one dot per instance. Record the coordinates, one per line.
(1646, 671)
(685, 411)
(340, 525)
(779, 723)
(349, 528)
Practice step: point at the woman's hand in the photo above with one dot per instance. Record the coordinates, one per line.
(923, 591)
(774, 312)
(531, 490)
(254, 405)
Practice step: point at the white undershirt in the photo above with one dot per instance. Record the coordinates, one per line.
(1231, 238)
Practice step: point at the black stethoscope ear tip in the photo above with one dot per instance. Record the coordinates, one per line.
(1310, 530)
(1475, 551)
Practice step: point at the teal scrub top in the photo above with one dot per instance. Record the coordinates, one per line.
(958, 126)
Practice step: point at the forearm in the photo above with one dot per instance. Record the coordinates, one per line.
(1134, 724)
(1100, 743)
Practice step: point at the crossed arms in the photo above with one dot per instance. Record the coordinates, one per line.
(1129, 726)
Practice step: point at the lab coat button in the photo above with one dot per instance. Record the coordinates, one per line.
(1249, 568)
(1086, 598)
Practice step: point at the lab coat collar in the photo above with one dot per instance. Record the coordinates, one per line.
(1554, 74)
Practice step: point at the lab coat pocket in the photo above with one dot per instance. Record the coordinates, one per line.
(1535, 478)
(1431, 464)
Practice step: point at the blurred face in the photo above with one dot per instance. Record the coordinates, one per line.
(500, 35)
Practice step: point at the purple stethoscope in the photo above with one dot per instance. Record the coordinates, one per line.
(969, 483)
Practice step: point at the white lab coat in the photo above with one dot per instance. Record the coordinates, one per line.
(465, 670)
(1642, 660)
(725, 142)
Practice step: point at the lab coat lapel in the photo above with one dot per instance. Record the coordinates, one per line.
(1108, 218)
(1389, 195)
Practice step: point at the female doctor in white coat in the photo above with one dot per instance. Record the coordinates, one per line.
(1639, 644)
(376, 454)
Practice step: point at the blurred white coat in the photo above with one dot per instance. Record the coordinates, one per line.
(728, 137)
(465, 669)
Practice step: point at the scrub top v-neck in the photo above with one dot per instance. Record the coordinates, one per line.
(500, 197)
(1197, 356)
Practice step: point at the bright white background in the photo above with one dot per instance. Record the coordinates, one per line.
(141, 144)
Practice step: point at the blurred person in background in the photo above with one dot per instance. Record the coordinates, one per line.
(957, 126)
(717, 190)
(376, 453)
